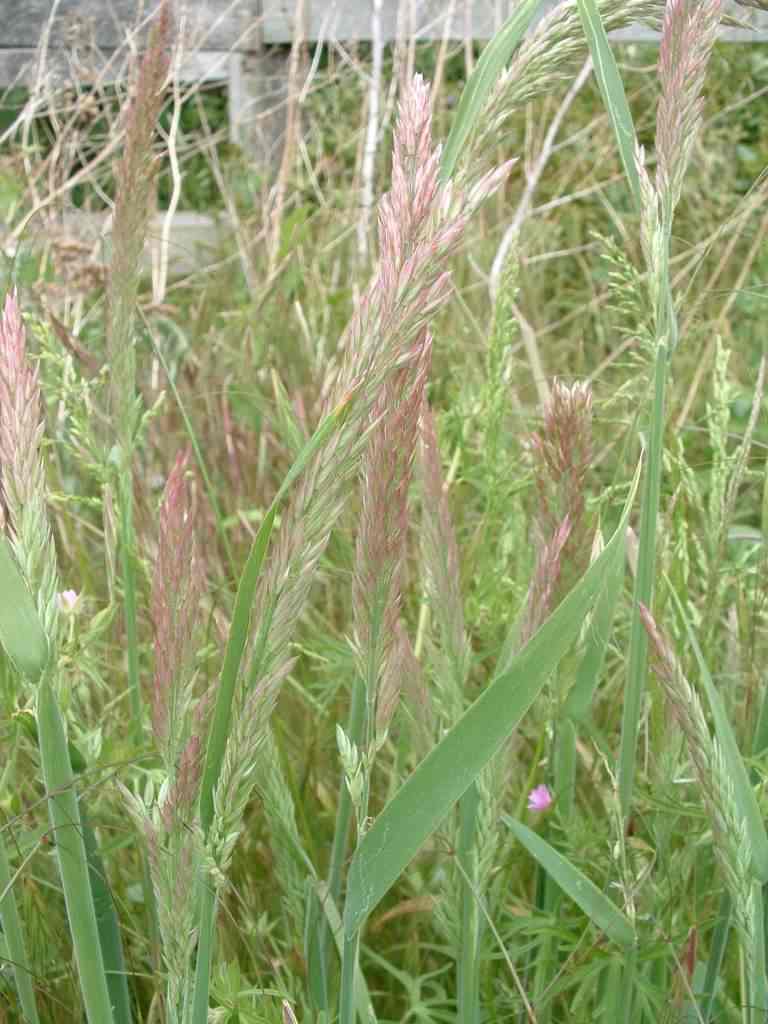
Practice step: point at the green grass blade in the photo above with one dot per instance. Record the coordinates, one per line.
(236, 641)
(757, 989)
(206, 928)
(449, 769)
(363, 1003)
(737, 770)
(241, 619)
(14, 937)
(494, 58)
(637, 667)
(103, 903)
(575, 884)
(127, 547)
(612, 89)
(717, 948)
(579, 700)
(108, 925)
(73, 863)
(468, 972)
(21, 632)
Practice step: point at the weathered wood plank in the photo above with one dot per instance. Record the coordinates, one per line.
(212, 24)
(239, 24)
(18, 66)
(433, 19)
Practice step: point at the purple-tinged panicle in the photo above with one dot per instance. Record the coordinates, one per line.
(403, 673)
(420, 229)
(182, 793)
(562, 456)
(381, 541)
(546, 586)
(135, 177)
(22, 476)
(664, 664)
(21, 424)
(179, 724)
(175, 603)
(421, 224)
(688, 34)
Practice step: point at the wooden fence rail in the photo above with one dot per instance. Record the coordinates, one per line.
(243, 42)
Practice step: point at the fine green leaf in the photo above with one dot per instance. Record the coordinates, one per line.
(202, 981)
(575, 884)
(15, 952)
(737, 770)
(108, 925)
(450, 768)
(363, 1002)
(579, 700)
(612, 89)
(482, 80)
(757, 982)
(21, 632)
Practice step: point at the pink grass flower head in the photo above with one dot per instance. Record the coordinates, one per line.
(21, 425)
(539, 799)
(421, 224)
(688, 35)
(175, 606)
(22, 474)
(561, 454)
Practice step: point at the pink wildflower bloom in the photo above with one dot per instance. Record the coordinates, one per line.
(539, 799)
(67, 600)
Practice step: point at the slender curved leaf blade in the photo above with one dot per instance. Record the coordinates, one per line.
(365, 1011)
(574, 883)
(579, 700)
(449, 769)
(612, 89)
(492, 62)
(108, 926)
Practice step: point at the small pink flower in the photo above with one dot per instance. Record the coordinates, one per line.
(67, 600)
(539, 799)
